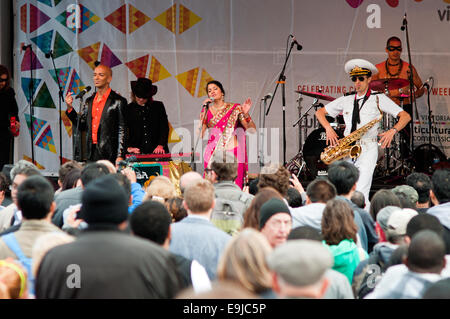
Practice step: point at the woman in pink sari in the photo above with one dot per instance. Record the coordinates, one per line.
(226, 123)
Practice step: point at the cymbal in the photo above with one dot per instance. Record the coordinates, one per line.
(317, 95)
(391, 84)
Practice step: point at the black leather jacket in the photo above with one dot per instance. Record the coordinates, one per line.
(111, 131)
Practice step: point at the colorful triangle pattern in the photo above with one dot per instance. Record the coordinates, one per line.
(168, 18)
(67, 123)
(26, 85)
(119, 19)
(28, 159)
(139, 66)
(46, 2)
(173, 136)
(38, 124)
(187, 19)
(61, 47)
(62, 75)
(44, 41)
(37, 18)
(30, 61)
(44, 99)
(46, 141)
(90, 54)
(57, 2)
(76, 85)
(188, 80)
(109, 58)
(23, 18)
(87, 19)
(157, 71)
(205, 78)
(136, 19)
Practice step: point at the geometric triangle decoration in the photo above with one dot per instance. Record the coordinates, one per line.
(67, 123)
(61, 47)
(38, 124)
(61, 76)
(44, 99)
(138, 66)
(188, 80)
(90, 54)
(203, 81)
(187, 19)
(37, 18)
(44, 41)
(76, 85)
(28, 159)
(47, 2)
(167, 18)
(136, 19)
(46, 141)
(28, 65)
(157, 71)
(86, 19)
(173, 136)
(57, 2)
(109, 58)
(26, 83)
(119, 19)
(23, 18)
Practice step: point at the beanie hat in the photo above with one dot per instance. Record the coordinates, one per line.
(270, 208)
(104, 202)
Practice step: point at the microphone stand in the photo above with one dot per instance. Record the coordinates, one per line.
(60, 97)
(206, 106)
(282, 81)
(411, 84)
(31, 92)
(262, 118)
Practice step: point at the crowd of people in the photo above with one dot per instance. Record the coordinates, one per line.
(101, 234)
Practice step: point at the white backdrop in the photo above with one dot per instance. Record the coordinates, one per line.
(242, 43)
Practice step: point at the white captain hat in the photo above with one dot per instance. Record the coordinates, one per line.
(357, 67)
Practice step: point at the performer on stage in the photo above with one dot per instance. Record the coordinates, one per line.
(103, 119)
(8, 109)
(148, 127)
(358, 110)
(227, 123)
(395, 68)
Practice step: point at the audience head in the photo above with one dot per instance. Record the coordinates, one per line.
(160, 189)
(224, 166)
(408, 196)
(124, 182)
(151, 221)
(104, 202)
(188, 178)
(251, 215)
(20, 172)
(110, 166)
(397, 223)
(426, 253)
(275, 221)
(427, 222)
(244, 261)
(176, 209)
(440, 186)
(358, 199)
(320, 190)
(4, 184)
(13, 280)
(383, 216)
(219, 290)
(305, 232)
(71, 179)
(343, 175)
(253, 186)
(65, 169)
(338, 222)
(299, 268)
(35, 198)
(294, 198)
(276, 176)
(381, 199)
(199, 197)
(422, 184)
(91, 172)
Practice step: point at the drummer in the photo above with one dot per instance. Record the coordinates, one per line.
(395, 68)
(358, 110)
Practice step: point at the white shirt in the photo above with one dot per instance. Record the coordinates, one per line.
(368, 112)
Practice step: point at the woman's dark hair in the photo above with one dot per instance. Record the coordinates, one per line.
(251, 215)
(71, 178)
(381, 199)
(338, 222)
(216, 83)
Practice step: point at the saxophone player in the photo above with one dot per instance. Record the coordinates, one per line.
(358, 109)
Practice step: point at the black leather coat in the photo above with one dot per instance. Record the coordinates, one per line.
(111, 133)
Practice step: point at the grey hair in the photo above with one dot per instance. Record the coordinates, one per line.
(23, 167)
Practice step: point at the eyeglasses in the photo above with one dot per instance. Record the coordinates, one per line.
(360, 78)
(3, 80)
(392, 48)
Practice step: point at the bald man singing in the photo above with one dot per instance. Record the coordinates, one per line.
(102, 118)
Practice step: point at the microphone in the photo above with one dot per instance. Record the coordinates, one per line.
(267, 96)
(428, 81)
(208, 102)
(82, 93)
(49, 54)
(25, 47)
(403, 23)
(294, 41)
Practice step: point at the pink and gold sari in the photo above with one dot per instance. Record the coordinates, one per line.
(223, 128)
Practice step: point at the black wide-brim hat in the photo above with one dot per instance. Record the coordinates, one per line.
(143, 88)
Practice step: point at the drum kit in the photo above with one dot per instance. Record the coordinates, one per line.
(307, 164)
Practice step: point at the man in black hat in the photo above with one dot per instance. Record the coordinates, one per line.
(148, 127)
(105, 262)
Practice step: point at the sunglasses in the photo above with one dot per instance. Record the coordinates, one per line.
(392, 48)
(360, 78)
(3, 80)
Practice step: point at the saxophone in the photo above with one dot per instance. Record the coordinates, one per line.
(344, 147)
